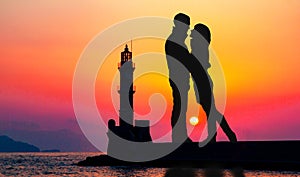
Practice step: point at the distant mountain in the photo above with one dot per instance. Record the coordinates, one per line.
(9, 145)
(64, 140)
(69, 138)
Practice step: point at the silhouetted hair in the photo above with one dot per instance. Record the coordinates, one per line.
(204, 31)
(182, 18)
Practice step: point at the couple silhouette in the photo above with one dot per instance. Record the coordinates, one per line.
(182, 64)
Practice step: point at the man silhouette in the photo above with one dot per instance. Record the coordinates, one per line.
(179, 76)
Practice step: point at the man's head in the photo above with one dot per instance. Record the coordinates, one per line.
(182, 21)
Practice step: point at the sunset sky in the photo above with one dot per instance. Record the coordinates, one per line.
(256, 42)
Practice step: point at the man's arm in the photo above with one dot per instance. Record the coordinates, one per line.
(178, 52)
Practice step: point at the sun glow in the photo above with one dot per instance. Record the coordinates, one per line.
(194, 120)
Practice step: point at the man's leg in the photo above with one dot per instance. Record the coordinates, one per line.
(178, 118)
(175, 112)
(182, 117)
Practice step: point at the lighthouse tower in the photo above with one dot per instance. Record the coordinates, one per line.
(126, 91)
(128, 129)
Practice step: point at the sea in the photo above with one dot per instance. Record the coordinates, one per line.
(64, 164)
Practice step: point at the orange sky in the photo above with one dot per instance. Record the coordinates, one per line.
(257, 43)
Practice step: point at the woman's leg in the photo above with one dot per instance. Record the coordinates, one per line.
(228, 131)
(211, 123)
(215, 117)
(225, 127)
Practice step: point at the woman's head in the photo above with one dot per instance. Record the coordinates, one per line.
(201, 31)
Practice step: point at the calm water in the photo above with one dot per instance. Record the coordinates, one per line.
(62, 164)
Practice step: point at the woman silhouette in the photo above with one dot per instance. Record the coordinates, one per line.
(200, 40)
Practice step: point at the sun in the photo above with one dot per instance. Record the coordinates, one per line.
(194, 120)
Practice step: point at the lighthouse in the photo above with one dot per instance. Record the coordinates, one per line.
(126, 91)
(129, 129)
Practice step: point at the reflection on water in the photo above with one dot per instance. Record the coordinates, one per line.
(63, 164)
(181, 172)
(208, 172)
